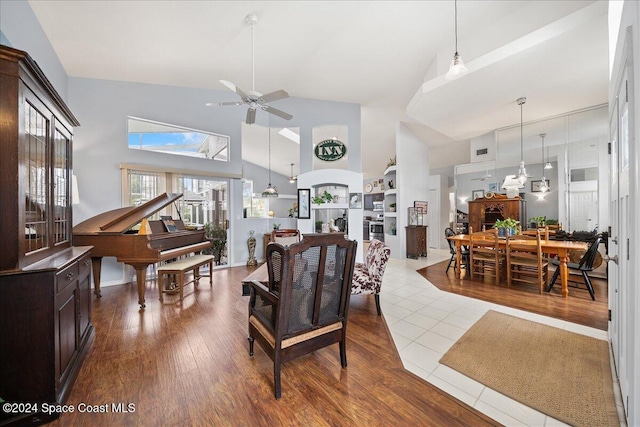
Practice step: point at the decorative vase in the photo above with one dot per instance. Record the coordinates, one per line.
(251, 242)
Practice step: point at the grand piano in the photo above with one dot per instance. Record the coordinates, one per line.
(110, 233)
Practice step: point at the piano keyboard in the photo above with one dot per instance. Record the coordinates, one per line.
(183, 250)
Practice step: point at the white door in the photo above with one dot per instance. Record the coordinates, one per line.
(583, 207)
(621, 328)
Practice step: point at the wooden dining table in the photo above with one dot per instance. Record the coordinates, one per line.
(560, 248)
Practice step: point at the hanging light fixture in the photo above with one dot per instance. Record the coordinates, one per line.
(457, 68)
(270, 191)
(521, 176)
(292, 178)
(548, 165)
(543, 187)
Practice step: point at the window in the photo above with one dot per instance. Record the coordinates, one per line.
(143, 186)
(203, 204)
(584, 174)
(164, 138)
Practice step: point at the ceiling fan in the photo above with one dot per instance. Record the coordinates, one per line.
(252, 98)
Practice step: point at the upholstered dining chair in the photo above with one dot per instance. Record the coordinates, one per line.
(304, 305)
(367, 276)
(485, 257)
(525, 260)
(585, 265)
(464, 252)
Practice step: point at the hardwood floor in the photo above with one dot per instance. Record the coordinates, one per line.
(188, 364)
(578, 308)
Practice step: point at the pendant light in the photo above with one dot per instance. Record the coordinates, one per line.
(548, 165)
(457, 68)
(543, 186)
(292, 178)
(521, 176)
(270, 191)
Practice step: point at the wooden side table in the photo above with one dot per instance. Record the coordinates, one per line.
(416, 241)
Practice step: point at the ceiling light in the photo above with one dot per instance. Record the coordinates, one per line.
(289, 134)
(548, 165)
(292, 178)
(457, 68)
(270, 191)
(521, 176)
(543, 187)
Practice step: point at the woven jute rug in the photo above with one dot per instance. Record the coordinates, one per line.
(561, 374)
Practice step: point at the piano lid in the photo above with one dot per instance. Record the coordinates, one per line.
(119, 221)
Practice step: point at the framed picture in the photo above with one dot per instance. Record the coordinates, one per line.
(494, 187)
(421, 206)
(304, 203)
(536, 185)
(476, 194)
(355, 200)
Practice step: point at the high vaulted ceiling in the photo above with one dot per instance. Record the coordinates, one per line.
(388, 56)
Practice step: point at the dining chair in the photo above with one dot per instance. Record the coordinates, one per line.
(525, 260)
(464, 252)
(485, 257)
(285, 236)
(585, 265)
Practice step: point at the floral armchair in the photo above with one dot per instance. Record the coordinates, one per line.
(367, 276)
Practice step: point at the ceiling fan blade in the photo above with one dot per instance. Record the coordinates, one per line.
(251, 116)
(218, 104)
(277, 112)
(228, 84)
(243, 95)
(273, 96)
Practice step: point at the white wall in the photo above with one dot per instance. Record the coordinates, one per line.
(21, 30)
(412, 176)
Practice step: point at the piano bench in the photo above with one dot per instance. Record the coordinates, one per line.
(180, 268)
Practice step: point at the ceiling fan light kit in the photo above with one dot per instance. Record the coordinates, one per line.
(457, 68)
(253, 98)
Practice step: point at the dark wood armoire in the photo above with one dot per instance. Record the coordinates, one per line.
(45, 304)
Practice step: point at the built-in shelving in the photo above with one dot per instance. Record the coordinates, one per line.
(330, 206)
(390, 196)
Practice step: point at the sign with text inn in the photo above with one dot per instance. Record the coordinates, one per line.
(330, 150)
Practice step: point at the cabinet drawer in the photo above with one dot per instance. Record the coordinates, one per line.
(67, 277)
(84, 263)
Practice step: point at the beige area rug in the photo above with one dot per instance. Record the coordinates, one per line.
(561, 374)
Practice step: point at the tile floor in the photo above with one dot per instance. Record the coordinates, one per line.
(425, 322)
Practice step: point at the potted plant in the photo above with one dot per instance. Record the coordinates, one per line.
(218, 238)
(508, 226)
(537, 221)
(325, 197)
(392, 207)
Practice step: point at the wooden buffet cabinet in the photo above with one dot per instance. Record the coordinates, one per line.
(485, 212)
(45, 295)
